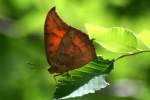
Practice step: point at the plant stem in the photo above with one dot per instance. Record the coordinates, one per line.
(130, 54)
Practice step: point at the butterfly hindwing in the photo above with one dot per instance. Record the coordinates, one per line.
(75, 51)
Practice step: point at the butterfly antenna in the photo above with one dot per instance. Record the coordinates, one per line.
(35, 66)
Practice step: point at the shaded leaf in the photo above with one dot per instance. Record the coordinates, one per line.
(79, 77)
(96, 83)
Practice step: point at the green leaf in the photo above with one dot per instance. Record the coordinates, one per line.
(79, 77)
(106, 54)
(96, 83)
(141, 45)
(145, 37)
(115, 39)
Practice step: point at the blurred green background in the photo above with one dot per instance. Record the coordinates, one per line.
(23, 65)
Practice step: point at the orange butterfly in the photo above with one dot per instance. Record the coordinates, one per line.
(66, 48)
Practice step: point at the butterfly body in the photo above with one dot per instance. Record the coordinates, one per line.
(67, 48)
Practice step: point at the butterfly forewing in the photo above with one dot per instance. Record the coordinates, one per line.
(54, 30)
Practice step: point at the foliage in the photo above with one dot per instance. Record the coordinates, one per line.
(79, 77)
(21, 42)
(120, 39)
(115, 39)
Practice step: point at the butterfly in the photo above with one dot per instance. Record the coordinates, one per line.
(66, 47)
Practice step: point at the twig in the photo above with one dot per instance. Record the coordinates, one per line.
(130, 54)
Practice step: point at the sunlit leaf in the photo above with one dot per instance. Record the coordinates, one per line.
(145, 37)
(141, 45)
(115, 39)
(66, 85)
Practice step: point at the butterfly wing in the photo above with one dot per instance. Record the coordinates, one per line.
(54, 32)
(67, 48)
(75, 51)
